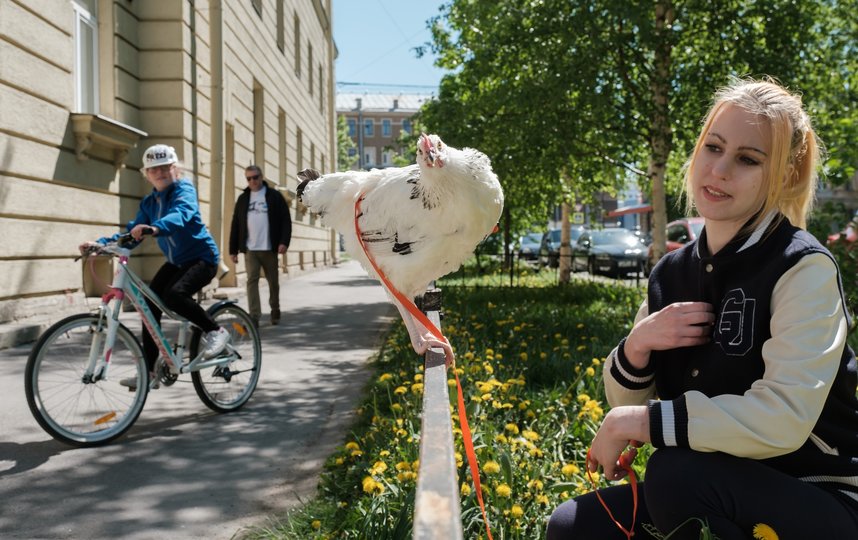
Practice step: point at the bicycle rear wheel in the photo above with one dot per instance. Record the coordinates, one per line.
(81, 409)
(226, 388)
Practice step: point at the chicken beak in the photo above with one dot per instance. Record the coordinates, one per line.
(428, 149)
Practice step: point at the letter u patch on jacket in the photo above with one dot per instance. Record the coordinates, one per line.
(734, 331)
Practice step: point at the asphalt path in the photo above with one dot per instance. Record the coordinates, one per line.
(183, 471)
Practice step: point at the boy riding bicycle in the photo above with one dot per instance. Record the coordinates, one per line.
(171, 214)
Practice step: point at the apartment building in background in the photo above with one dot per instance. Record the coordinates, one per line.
(375, 122)
(87, 85)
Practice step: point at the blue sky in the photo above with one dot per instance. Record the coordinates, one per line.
(375, 40)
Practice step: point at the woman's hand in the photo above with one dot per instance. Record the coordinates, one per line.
(139, 230)
(622, 426)
(681, 324)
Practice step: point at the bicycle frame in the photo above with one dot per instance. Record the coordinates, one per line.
(127, 283)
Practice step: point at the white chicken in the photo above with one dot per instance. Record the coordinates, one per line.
(418, 222)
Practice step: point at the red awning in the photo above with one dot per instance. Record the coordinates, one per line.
(634, 209)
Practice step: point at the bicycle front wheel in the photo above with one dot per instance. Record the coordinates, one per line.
(227, 387)
(77, 407)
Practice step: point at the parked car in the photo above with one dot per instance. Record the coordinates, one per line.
(678, 233)
(549, 249)
(614, 252)
(528, 246)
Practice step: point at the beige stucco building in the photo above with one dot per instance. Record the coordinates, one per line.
(87, 85)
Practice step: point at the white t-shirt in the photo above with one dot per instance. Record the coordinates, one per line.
(258, 238)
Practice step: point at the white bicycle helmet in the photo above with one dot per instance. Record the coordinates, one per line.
(159, 154)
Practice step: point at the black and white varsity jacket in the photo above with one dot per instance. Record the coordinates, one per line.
(777, 382)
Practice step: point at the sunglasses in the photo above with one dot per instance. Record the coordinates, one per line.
(254, 177)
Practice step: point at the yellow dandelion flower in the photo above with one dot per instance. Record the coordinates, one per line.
(597, 362)
(490, 352)
(535, 484)
(764, 532)
(339, 461)
(417, 388)
(352, 446)
(564, 342)
(530, 414)
(504, 491)
(469, 355)
(399, 390)
(581, 348)
(418, 377)
(378, 468)
(543, 356)
(396, 407)
(530, 435)
(465, 490)
(557, 336)
(384, 453)
(570, 469)
(580, 325)
(590, 372)
(512, 428)
(491, 467)
(523, 356)
(501, 438)
(516, 511)
(498, 356)
(316, 524)
(458, 457)
(369, 484)
(385, 377)
(542, 499)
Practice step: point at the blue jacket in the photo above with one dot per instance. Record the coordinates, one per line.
(182, 235)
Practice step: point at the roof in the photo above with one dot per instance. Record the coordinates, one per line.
(382, 102)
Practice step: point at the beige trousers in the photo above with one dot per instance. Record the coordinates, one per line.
(267, 261)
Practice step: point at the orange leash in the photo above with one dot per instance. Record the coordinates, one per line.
(626, 460)
(429, 325)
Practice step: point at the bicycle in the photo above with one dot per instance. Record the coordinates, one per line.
(73, 371)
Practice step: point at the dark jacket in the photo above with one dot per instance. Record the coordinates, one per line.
(279, 221)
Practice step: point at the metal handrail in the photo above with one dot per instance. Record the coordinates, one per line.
(437, 512)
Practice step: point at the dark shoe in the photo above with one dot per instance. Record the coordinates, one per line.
(275, 316)
(255, 320)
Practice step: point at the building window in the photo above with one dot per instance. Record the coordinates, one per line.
(281, 26)
(385, 128)
(368, 157)
(310, 68)
(321, 91)
(258, 124)
(299, 143)
(86, 56)
(368, 128)
(257, 5)
(387, 158)
(352, 123)
(406, 126)
(282, 150)
(297, 32)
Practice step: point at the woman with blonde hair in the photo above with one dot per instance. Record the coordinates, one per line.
(737, 369)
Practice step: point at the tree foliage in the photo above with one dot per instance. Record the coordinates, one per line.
(345, 145)
(573, 98)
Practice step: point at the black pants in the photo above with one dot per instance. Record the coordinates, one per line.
(732, 494)
(176, 287)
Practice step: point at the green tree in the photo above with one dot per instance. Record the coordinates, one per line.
(345, 146)
(573, 98)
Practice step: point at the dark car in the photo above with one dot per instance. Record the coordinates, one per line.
(614, 252)
(678, 233)
(549, 249)
(528, 246)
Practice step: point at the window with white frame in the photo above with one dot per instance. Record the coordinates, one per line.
(86, 56)
(369, 156)
(352, 123)
(387, 158)
(368, 128)
(406, 126)
(386, 130)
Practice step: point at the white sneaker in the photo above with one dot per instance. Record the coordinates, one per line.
(216, 341)
(131, 382)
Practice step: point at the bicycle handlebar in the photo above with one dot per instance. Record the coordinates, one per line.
(122, 241)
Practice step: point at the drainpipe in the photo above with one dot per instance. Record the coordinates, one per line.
(216, 194)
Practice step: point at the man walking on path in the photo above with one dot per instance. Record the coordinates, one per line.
(261, 229)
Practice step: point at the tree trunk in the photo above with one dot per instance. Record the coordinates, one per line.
(565, 262)
(660, 138)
